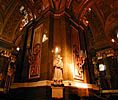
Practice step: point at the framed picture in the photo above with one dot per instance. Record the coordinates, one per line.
(35, 58)
(78, 69)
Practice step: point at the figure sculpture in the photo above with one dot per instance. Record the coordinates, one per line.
(58, 70)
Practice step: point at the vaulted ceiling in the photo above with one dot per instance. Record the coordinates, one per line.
(100, 15)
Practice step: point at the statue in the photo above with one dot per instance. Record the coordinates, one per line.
(58, 70)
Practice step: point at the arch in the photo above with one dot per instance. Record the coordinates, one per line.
(89, 4)
(1, 15)
(100, 16)
(111, 21)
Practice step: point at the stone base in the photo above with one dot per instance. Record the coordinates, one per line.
(57, 92)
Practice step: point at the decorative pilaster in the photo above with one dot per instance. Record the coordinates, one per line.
(10, 73)
(96, 71)
(108, 76)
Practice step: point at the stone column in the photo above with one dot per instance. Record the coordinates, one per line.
(96, 72)
(108, 76)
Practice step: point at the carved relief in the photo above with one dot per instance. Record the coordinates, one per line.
(79, 56)
(79, 60)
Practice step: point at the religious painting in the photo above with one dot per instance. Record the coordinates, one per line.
(78, 69)
(35, 57)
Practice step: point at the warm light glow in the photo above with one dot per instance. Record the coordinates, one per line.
(18, 49)
(58, 97)
(112, 40)
(78, 65)
(89, 9)
(117, 34)
(87, 22)
(56, 50)
(52, 51)
(81, 85)
(72, 69)
(44, 38)
(102, 67)
(21, 28)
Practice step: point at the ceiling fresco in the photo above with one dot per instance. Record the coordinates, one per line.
(100, 15)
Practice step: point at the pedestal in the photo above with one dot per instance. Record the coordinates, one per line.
(57, 92)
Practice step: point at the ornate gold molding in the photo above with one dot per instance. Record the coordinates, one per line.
(105, 53)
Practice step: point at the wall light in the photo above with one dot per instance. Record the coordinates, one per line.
(87, 21)
(89, 9)
(112, 40)
(117, 34)
(44, 38)
(18, 49)
(102, 67)
(57, 50)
